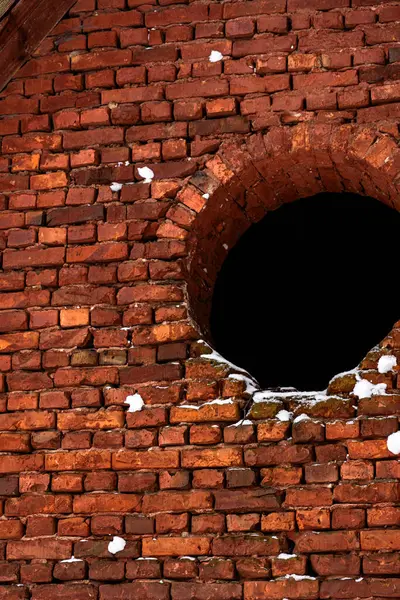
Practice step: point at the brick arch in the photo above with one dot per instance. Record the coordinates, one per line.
(251, 176)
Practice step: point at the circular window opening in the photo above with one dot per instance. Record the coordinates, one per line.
(308, 290)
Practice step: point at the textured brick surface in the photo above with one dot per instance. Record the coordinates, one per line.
(95, 284)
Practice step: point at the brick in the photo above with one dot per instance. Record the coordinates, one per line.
(222, 457)
(370, 493)
(173, 524)
(98, 253)
(379, 540)
(134, 375)
(218, 591)
(348, 518)
(169, 480)
(325, 40)
(357, 469)
(31, 504)
(136, 482)
(161, 459)
(245, 545)
(36, 258)
(239, 28)
(289, 565)
(90, 503)
(252, 500)
(9, 485)
(275, 455)
(336, 541)
(368, 449)
(278, 522)
(175, 546)
(82, 294)
(177, 501)
(323, 80)
(78, 591)
(311, 496)
(145, 590)
(80, 460)
(331, 564)
(11, 529)
(81, 139)
(53, 549)
(100, 59)
(13, 320)
(75, 421)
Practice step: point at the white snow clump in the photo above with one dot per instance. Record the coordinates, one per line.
(284, 415)
(302, 417)
(393, 442)
(386, 363)
(116, 545)
(135, 403)
(215, 56)
(71, 560)
(366, 389)
(115, 187)
(146, 173)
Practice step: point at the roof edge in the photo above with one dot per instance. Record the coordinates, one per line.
(24, 27)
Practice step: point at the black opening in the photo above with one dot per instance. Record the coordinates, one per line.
(309, 290)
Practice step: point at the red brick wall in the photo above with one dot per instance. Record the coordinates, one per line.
(105, 294)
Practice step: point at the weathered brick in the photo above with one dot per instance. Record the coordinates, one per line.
(78, 591)
(161, 459)
(34, 258)
(175, 546)
(94, 503)
(32, 504)
(51, 550)
(146, 590)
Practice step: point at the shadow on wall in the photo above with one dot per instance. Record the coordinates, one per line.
(309, 290)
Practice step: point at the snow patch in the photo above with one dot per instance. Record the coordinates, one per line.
(302, 417)
(72, 559)
(386, 363)
(284, 415)
(220, 401)
(354, 371)
(250, 387)
(310, 397)
(146, 173)
(197, 407)
(115, 187)
(393, 442)
(206, 196)
(366, 389)
(218, 358)
(299, 577)
(116, 545)
(215, 56)
(135, 403)
(241, 422)
(284, 556)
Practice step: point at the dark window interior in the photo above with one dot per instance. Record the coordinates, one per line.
(309, 290)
